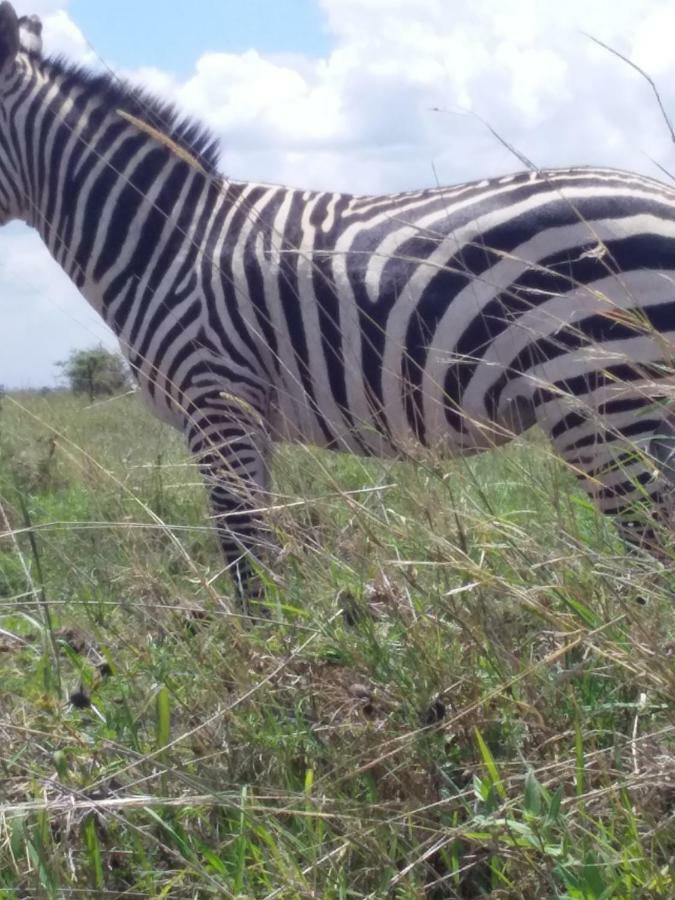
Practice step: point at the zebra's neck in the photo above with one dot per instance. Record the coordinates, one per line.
(100, 172)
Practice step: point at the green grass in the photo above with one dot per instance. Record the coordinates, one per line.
(457, 693)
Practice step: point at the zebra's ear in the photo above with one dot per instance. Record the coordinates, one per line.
(30, 34)
(9, 36)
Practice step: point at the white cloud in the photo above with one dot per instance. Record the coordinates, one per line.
(653, 41)
(252, 100)
(62, 36)
(525, 67)
(363, 117)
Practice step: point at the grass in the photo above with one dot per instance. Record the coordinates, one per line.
(457, 694)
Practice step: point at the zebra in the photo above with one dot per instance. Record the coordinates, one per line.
(444, 318)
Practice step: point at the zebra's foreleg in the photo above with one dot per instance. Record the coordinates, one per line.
(231, 447)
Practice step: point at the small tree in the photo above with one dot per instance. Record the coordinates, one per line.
(96, 372)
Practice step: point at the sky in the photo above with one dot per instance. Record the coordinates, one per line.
(364, 96)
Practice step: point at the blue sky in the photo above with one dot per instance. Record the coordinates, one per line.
(341, 94)
(284, 26)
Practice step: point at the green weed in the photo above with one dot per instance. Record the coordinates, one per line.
(456, 693)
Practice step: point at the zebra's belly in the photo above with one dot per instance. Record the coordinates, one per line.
(300, 425)
(369, 443)
(390, 434)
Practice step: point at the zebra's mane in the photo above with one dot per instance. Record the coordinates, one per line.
(162, 116)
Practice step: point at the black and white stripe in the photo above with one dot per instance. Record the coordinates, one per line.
(451, 318)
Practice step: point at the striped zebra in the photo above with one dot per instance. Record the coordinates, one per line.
(449, 318)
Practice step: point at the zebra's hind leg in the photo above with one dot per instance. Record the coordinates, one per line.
(230, 444)
(662, 450)
(628, 469)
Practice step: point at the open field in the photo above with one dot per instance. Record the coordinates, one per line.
(465, 687)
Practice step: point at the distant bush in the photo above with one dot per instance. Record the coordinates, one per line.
(96, 372)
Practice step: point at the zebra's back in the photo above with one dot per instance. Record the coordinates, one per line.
(430, 317)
